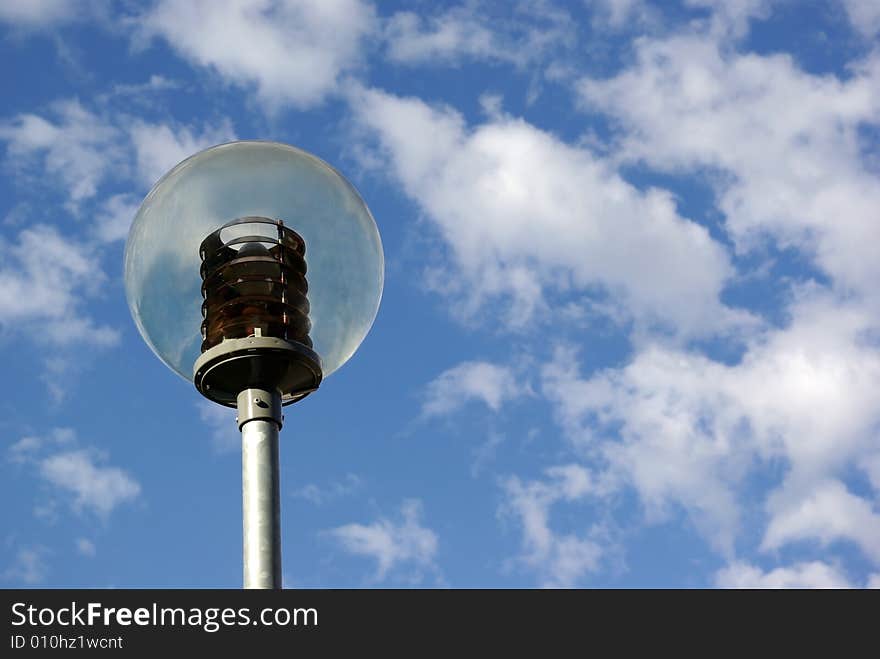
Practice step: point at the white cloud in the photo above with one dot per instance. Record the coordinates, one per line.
(85, 547)
(684, 429)
(486, 451)
(158, 147)
(825, 511)
(449, 35)
(781, 146)
(559, 559)
(114, 217)
(731, 18)
(319, 495)
(29, 567)
(874, 581)
(44, 280)
(815, 574)
(666, 453)
(81, 151)
(93, 486)
(42, 13)
(136, 91)
(491, 384)
(471, 31)
(71, 470)
(525, 215)
(783, 151)
(225, 435)
(290, 51)
(619, 13)
(27, 448)
(78, 149)
(864, 15)
(22, 450)
(395, 547)
(870, 464)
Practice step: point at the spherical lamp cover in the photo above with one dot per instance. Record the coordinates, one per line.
(264, 179)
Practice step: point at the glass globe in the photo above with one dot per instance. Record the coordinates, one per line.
(264, 179)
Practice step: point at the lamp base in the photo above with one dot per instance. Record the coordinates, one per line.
(257, 362)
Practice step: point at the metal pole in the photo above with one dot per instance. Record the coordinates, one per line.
(259, 418)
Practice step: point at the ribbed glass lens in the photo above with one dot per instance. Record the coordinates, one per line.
(254, 284)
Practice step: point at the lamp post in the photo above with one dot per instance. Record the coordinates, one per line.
(218, 284)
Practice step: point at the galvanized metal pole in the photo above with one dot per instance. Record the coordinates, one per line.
(260, 419)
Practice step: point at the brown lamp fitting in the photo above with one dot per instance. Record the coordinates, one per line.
(255, 327)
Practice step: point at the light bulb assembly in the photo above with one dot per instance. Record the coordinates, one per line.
(255, 313)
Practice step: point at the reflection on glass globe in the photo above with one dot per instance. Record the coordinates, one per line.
(263, 179)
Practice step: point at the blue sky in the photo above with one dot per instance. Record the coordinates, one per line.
(630, 331)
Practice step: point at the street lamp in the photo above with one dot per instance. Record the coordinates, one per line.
(254, 270)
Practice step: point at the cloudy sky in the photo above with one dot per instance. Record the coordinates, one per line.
(630, 332)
